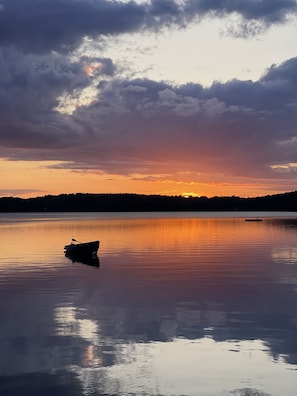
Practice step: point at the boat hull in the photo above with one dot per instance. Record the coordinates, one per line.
(82, 249)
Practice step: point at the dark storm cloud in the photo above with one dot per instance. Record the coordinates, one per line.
(29, 90)
(238, 127)
(274, 91)
(269, 11)
(43, 25)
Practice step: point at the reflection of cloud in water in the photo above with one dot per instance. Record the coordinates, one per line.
(284, 254)
(188, 367)
(168, 364)
(69, 324)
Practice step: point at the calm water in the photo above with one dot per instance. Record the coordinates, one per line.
(181, 304)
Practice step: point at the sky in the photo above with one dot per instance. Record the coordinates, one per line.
(184, 97)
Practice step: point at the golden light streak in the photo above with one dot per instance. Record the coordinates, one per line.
(290, 166)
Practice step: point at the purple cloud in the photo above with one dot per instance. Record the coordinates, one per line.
(241, 128)
(39, 26)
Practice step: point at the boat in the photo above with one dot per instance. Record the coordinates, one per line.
(82, 249)
(253, 219)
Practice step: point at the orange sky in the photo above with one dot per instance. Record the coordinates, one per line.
(30, 179)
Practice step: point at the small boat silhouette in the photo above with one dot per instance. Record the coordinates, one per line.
(83, 252)
(85, 248)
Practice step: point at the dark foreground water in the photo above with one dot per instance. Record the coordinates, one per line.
(181, 304)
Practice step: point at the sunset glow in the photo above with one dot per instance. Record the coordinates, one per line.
(138, 98)
(49, 177)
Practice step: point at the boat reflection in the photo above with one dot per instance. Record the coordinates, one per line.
(87, 259)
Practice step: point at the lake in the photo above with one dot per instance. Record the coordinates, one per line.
(181, 304)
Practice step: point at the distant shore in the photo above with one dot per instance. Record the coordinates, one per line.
(146, 203)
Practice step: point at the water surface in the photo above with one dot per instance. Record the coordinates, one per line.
(181, 304)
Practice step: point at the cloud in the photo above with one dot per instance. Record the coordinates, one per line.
(239, 128)
(17, 192)
(43, 25)
(30, 88)
(59, 104)
(40, 26)
(269, 11)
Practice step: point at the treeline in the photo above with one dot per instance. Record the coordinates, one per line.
(139, 203)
